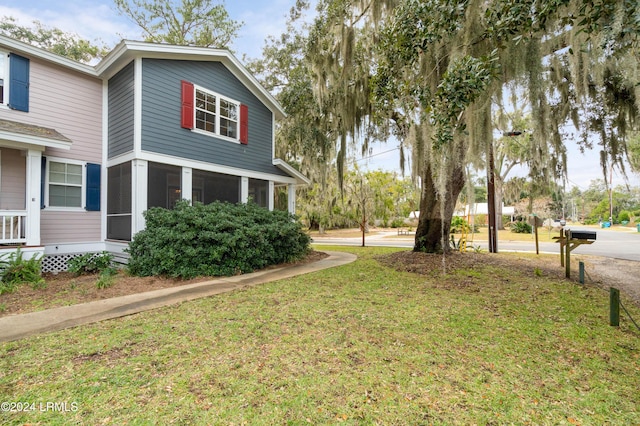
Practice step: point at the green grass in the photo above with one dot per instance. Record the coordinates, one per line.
(358, 344)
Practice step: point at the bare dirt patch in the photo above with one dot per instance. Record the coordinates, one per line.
(66, 289)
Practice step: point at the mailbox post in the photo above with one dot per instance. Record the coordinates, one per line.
(535, 221)
(573, 239)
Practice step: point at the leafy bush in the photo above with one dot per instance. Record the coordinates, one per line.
(624, 215)
(458, 225)
(90, 263)
(397, 223)
(520, 227)
(215, 239)
(15, 270)
(105, 279)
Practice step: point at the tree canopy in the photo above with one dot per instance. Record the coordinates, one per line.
(430, 71)
(54, 40)
(192, 22)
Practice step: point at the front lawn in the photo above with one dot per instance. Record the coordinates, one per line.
(359, 344)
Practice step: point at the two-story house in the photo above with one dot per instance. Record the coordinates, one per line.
(85, 150)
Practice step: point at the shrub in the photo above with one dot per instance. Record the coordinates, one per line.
(624, 215)
(458, 225)
(521, 227)
(90, 263)
(397, 223)
(105, 279)
(15, 270)
(215, 239)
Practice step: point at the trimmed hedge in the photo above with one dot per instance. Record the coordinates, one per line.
(218, 239)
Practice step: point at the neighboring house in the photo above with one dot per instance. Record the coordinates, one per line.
(483, 210)
(85, 150)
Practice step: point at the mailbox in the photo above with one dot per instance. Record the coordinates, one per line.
(583, 235)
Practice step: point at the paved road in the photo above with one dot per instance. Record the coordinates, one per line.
(614, 244)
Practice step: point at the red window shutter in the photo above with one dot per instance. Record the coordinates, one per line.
(187, 104)
(244, 124)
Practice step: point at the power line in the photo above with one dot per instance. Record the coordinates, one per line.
(375, 155)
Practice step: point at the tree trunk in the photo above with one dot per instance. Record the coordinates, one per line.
(434, 222)
(499, 185)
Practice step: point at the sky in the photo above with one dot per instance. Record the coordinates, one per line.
(99, 20)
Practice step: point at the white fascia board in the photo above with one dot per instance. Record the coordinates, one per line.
(128, 50)
(211, 167)
(285, 167)
(29, 50)
(35, 141)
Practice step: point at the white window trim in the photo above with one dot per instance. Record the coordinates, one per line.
(5, 76)
(218, 97)
(83, 187)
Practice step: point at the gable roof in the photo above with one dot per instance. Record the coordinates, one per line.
(128, 50)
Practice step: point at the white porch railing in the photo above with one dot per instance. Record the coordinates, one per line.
(13, 225)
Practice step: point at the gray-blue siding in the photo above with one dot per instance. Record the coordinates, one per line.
(121, 112)
(161, 106)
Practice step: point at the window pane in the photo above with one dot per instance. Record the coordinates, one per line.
(228, 128)
(205, 121)
(211, 103)
(74, 174)
(119, 228)
(57, 177)
(119, 189)
(164, 187)
(210, 187)
(74, 196)
(259, 192)
(229, 110)
(65, 196)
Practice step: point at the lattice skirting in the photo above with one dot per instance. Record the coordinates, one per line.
(58, 262)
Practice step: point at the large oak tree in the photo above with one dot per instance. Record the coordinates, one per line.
(431, 68)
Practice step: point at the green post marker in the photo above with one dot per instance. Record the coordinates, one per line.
(567, 260)
(614, 307)
(581, 268)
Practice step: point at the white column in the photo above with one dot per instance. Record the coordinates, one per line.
(244, 189)
(291, 198)
(33, 197)
(187, 184)
(270, 195)
(139, 182)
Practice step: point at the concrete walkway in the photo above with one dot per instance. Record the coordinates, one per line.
(16, 327)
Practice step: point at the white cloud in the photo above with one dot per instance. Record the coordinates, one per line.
(97, 22)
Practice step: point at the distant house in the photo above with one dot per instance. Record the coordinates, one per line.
(482, 209)
(85, 150)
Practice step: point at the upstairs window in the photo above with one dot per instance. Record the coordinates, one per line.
(206, 106)
(4, 68)
(213, 113)
(14, 81)
(229, 119)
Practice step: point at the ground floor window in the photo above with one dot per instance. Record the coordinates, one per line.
(165, 185)
(119, 202)
(259, 192)
(209, 187)
(65, 184)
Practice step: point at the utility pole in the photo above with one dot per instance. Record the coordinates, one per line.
(491, 201)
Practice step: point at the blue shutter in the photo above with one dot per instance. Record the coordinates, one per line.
(43, 180)
(93, 187)
(18, 83)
